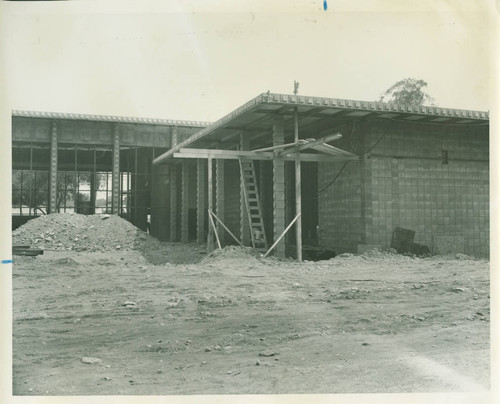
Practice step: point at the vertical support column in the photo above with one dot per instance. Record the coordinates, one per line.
(53, 170)
(31, 180)
(219, 197)
(173, 203)
(201, 206)
(173, 192)
(94, 184)
(244, 225)
(160, 202)
(298, 188)
(115, 189)
(185, 202)
(278, 187)
(210, 237)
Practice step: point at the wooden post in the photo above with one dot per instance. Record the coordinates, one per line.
(210, 237)
(298, 190)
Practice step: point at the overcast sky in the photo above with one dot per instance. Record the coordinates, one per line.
(187, 61)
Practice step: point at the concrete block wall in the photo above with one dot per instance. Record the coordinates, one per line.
(232, 199)
(413, 186)
(406, 180)
(340, 224)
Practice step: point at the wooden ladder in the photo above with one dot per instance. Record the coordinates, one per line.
(252, 203)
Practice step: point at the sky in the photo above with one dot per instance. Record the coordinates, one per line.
(198, 60)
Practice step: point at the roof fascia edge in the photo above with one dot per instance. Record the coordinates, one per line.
(205, 131)
(106, 118)
(374, 106)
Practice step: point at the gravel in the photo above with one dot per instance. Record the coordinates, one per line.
(66, 231)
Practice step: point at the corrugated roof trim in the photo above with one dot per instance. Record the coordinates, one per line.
(107, 118)
(210, 128)
(372, 105)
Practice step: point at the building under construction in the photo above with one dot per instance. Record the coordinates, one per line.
(289, 172)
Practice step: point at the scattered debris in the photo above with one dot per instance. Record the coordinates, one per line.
(268, 353)
(90, 360)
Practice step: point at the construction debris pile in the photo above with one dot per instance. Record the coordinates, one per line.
(64, 231)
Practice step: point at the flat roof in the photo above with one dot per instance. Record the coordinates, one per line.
(108, 118)
(316, 115)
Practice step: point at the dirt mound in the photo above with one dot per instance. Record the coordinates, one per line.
(63, 231)
(232, 253)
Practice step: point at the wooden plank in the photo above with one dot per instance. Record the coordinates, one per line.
(310, 143)
(224, 226)
(235, 155)
(281, 236)
(214, 229)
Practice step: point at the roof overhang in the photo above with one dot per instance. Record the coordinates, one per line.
(108, 118)
(317, 116)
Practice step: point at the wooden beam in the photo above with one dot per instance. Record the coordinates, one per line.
(237, 154)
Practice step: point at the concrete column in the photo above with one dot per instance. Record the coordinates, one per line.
(219, 198)
(140, 189)
(173, 203)
(278, 188)
(115, 188)
(201, 206)
(244, 226)
(210, 236)
(160, 202)
(185, 202)
(53, 171)
(173, 192)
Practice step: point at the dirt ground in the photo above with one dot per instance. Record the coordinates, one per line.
(170, 321)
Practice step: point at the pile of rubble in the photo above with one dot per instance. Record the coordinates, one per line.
(64, 231)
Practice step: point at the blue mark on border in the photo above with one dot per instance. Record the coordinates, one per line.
(325, 5)
(7, 261)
